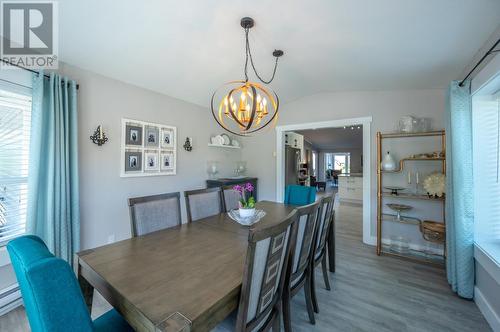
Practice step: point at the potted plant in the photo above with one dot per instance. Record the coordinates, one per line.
(247, 201)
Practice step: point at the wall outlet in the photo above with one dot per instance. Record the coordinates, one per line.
(111, 238)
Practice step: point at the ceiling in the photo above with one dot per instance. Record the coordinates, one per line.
(334, 138)
(186, 49)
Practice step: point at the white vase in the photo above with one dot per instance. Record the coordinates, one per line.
(388, 163)
(246, 213)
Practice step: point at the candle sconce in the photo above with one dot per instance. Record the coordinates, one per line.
(188, 145)
(99, 137)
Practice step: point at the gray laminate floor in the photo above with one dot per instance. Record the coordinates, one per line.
(369, 293)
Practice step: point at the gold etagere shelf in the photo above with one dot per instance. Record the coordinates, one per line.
(384, 249)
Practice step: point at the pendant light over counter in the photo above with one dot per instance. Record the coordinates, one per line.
(242, 107)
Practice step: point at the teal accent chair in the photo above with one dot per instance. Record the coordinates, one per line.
(299, 195)
(51, 293)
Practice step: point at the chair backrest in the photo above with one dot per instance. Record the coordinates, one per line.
(265, 272)
(323, 223)
(231, 198)
(202, 203)
(302, 252)
(51, 294)
(153, 213)
(299, 195)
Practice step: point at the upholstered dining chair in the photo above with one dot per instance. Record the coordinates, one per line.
(153, 213)
(299, 195)
(300, 267)
(231, 198)
(202, 203)
(323, 224)
(51, 294)
(264, 277)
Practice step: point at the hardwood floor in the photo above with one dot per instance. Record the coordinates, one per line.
(369, 293)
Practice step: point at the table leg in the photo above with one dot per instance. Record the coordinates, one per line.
(85, 286)
(331, 246)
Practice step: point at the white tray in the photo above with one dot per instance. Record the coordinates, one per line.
(235, 215)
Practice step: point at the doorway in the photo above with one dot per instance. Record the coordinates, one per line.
(365, 155)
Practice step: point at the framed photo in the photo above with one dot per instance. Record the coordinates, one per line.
(151, 138)
(151, 161)
(167, 138)
(167, 161)
(133, 135)
(147, 149)
(133, 161)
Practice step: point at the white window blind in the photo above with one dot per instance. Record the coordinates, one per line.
(486, 167)
(15, 126)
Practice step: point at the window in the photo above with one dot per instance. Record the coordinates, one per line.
(314, 156)
(486, 167)
(338, 162)
(15, 126)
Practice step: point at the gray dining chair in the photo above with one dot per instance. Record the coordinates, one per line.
(153, 213)
(264, 277)
(231, 198)
(323, 224)
(202, 203)
(300, 267)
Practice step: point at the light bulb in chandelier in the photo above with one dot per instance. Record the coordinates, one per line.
(243, 107)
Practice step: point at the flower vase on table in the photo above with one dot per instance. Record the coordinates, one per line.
(247, 201)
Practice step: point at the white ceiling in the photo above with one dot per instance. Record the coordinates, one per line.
(334, 138)
(185, 49)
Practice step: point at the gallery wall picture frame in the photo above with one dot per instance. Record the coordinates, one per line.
(148, 149)
(151, 136)
(167, 161)
(167, 138)
(133, 134)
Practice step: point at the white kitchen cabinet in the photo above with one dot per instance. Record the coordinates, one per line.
(351, 188)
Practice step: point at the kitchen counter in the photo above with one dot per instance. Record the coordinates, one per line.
(351, 175)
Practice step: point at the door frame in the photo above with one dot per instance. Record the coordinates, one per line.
(280, 160)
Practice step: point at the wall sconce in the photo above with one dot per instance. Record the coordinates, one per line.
(188, 145)
(99, 137)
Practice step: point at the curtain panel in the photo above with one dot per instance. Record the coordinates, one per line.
(459, 196)
(53, 198)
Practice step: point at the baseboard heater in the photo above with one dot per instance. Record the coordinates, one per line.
(10, 298)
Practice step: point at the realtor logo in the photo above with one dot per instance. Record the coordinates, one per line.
(29, 33)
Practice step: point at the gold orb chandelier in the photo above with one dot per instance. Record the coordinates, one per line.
(243, 107)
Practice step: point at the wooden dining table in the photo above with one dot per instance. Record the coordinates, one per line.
(185, 278)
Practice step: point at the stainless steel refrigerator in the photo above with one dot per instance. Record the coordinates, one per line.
(292, 164)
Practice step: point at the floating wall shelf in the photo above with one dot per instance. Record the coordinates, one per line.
(224, 146)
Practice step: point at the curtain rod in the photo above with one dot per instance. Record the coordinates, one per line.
(30, 70)
(490, 51)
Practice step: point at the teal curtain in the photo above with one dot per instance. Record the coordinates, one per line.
(459, 199)
(53, 203)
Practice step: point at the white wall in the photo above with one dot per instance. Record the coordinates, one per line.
(103, 194)
(384, 106)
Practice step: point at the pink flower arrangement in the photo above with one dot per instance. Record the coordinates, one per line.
(245, 202)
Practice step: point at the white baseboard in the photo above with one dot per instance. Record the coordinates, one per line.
(487, 311)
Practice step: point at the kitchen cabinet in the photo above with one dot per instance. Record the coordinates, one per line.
(351, 188)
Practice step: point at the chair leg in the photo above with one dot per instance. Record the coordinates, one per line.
(313, 292)
(309, 304)
(277, 320)
(287, 323)
(325, 272)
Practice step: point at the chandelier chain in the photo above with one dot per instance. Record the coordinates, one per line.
(248, 54)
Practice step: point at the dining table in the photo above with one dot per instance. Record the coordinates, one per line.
(184, 278)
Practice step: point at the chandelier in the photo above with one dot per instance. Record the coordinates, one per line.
(242, 107)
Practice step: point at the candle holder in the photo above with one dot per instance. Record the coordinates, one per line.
(99, 137)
